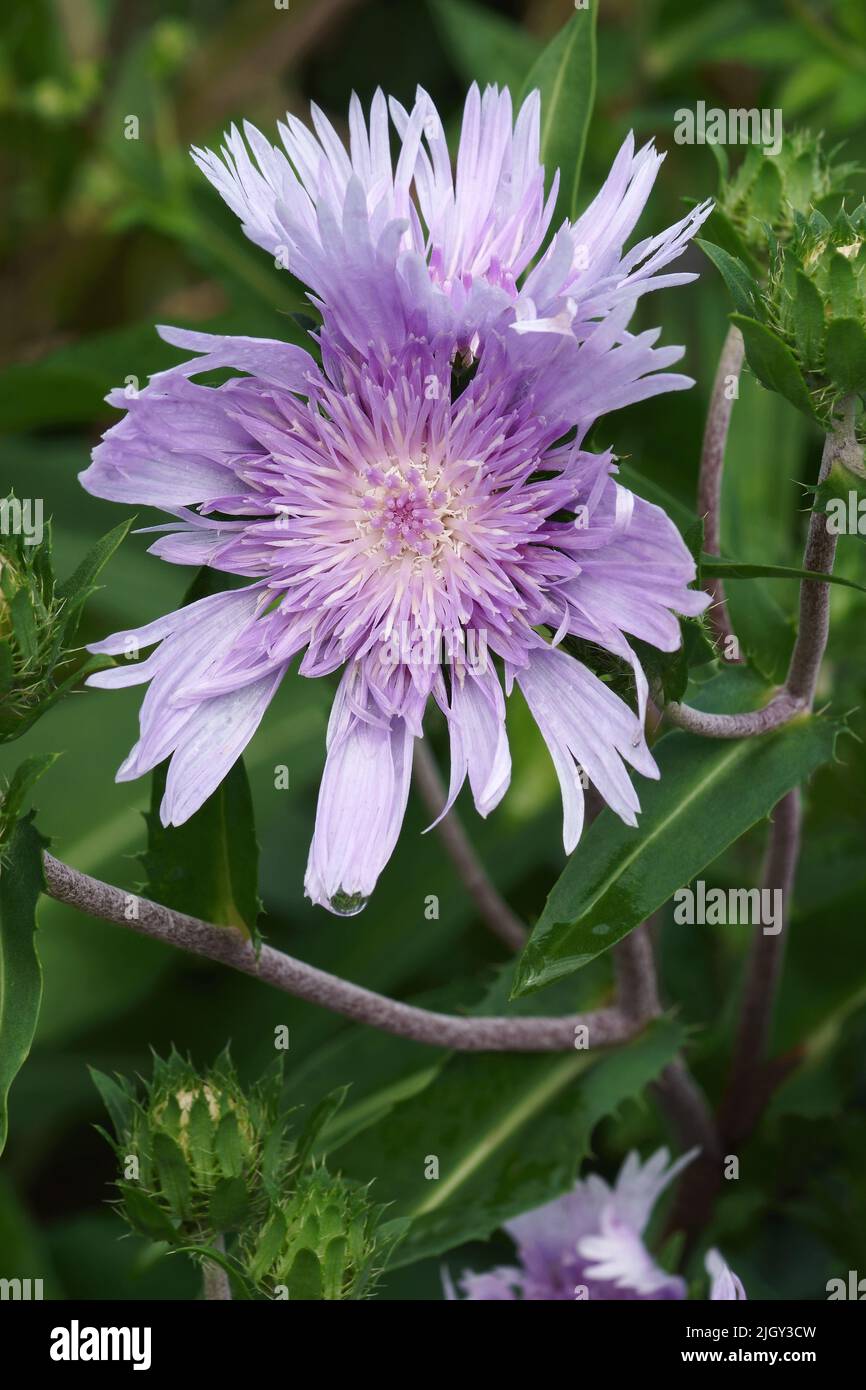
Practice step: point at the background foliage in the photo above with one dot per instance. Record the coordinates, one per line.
(102, 237)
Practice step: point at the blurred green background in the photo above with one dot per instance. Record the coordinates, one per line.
(101, 238)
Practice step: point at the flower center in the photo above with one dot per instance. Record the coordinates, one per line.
(406, 511)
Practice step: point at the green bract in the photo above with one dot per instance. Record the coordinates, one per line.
(794, 262)
(768, 192)
(324, 1240)
(197, 1154)
(38, 621)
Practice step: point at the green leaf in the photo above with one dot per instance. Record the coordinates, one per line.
(843, 287)
(807, 318)
(320, 1116)
(76, 590)
(118, 1098)
(228, 1147)
(145, 1214)
(486, 47)
(565, 75)
(25, 776)
(765, 195)
(21, 882)
(773, 362)
(229, 1204)
(732, 569)
(846, 355)
(711, 791)
(173, 1173)
(304, 1279)
(207, 867)
(509, 1132)
(200, 1133)
(741, 285)
(721, 232)
(269, 1245)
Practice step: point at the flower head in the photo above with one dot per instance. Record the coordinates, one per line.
(418, 511)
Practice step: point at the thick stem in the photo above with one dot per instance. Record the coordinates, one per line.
(712, 467)
(744, 1099)
(225, 945)
(778, 711)
(819, 556)
(678, 1093)
(492, 909)
(751, 1080)
(798, 692)
(215, 1281)
(635, 970)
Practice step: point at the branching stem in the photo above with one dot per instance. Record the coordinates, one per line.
(604, 1026)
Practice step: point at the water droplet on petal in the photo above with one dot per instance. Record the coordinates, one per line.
(345, 904)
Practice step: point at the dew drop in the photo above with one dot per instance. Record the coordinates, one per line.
(345, 904)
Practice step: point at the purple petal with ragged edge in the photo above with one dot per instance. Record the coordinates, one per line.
(362, 801)
(586, 727)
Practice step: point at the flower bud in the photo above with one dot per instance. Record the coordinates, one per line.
(39, 662)
(322, 1241)
(195, 1150)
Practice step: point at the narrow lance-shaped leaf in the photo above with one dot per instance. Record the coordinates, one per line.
(76, 590)
(509, 1132)
(741, 285)
(733, 569)
(565, 75)
(13, 798)
(711, 791)
(207, 867)
(21, 882)
(807, 317)
(773, 362)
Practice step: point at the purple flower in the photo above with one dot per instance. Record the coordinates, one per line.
(418, 512)
(588, 1244)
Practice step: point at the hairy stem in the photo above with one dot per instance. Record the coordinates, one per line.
(635, 969)
(780, 710)
(798, 692)
(712, 467)
(493, 910)
(604, 1026)
(814, 626)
